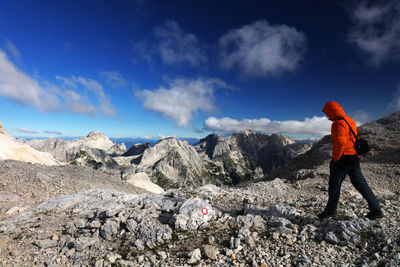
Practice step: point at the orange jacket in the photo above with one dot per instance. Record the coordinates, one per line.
(342, 138)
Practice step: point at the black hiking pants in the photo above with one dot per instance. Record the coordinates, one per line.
(349, 165)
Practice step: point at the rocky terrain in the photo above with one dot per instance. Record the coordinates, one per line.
(72, 215)
(264, 224)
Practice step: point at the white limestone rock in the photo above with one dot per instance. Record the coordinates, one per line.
(193, 213)
(143, 181)
(11, 149)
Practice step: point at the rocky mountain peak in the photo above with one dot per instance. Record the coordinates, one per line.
(208, 145)
(95, 135)
(172, 163)
(282, 140)
(248, 132)
(136, 149)
(390, 122)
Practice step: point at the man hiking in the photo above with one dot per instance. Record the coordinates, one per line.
(345, 161)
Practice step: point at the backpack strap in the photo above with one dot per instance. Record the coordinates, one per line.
(355, 136)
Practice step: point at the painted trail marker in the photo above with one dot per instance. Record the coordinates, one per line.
(204, 211)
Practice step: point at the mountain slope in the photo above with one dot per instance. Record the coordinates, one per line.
(172, 163)
(249, 155)
(11, 149)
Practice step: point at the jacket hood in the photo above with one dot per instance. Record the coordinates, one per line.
(333, 110)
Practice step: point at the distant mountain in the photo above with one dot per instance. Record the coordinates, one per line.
(130, 141)
(249, 155)
(172, 163)
(228, 157)
(94, 150)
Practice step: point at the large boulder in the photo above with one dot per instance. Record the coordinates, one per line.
(193, 213)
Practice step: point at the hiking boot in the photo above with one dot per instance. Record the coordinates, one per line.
(326, 214)
(373, 215)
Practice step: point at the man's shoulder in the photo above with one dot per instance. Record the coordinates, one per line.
(339, 122)
(350, 121)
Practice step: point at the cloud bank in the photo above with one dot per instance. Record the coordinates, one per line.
(262, 49)
(376, 30)
(183, 99)
(319, 126)
(177, 46)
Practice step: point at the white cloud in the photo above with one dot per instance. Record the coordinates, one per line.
(77, 103)
(183, 99)
(114, 79)
(19, 87)
(80, 104)
(177, 46)
(12, 49)
(23, 89)
(394, 105)
(376, 30)
(262, 49)
(314, 126)
(142, 49)
(360, 116)
(27, 131)
(53, 132)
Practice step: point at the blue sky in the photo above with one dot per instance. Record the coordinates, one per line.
(189, 68)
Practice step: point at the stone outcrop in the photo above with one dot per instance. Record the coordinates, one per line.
(383, 135)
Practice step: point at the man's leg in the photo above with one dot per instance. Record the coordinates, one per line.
(358, 181)
(336, 178)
